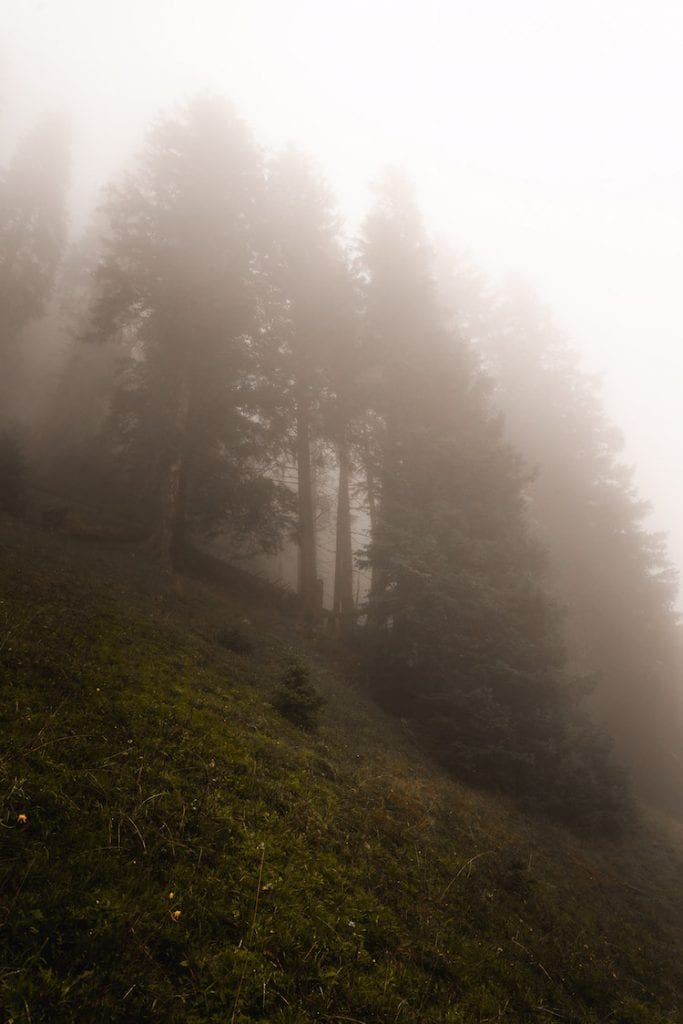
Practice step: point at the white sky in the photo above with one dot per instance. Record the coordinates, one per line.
(544, 135)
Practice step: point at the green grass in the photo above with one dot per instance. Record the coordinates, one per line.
(189, 855)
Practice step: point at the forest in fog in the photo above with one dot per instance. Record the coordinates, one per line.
(218, 361)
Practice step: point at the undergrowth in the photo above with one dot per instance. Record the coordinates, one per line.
(173, 849)
(297, 698)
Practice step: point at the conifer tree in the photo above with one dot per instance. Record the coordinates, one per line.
(32, 237)
(611, 572)
(179, 282)
(469, 643)
(73, 453)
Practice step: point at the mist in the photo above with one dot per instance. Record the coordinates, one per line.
(340, 510)
(541, 140)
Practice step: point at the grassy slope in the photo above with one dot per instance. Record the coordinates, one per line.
(327, 877)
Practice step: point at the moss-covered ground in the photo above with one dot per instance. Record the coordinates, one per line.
(173, 849)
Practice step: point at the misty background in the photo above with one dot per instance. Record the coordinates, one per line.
(543, 140)
(319, 328)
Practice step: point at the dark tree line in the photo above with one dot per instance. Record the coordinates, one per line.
(612, 573)
(229, 345)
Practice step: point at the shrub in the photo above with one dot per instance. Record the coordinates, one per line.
(296, 697)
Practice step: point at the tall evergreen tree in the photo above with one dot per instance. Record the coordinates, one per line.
(612, 573)
(470, 645)
(179, 282)
(32, 237)
(71, 451)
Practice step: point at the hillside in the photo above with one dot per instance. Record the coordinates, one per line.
(173, 849)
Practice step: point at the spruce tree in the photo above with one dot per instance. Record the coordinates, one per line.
(469, 644)
(179, 282)
(32, 237)
(611, 571)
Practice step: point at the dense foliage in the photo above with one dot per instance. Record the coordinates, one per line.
(32, 238)
(468, 642)
(613, 574)
(178, 282)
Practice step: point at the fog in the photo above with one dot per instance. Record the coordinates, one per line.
(543, 140)
(340, 533)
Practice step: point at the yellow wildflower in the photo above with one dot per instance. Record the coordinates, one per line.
(171, 895)
(22, 819)
(176, 914)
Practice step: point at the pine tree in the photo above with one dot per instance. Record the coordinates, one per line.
(179, 282)
(32, 238)
(612, 573)
(73, 456)
(469, 643)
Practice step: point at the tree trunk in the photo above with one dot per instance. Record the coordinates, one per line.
(372, 511)
(308, 572)
(343, 603)
(174, 495)
(378, 576)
